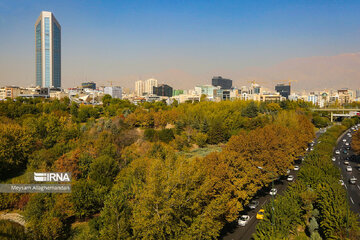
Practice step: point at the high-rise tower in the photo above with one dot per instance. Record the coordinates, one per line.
(48, 51)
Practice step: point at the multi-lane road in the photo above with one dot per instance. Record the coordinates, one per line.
(235, 232)
(353, 190)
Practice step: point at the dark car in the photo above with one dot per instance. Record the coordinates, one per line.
(253, 204)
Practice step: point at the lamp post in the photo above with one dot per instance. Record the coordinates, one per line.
(272, 196)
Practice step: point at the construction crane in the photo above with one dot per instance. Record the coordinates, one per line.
(288, 81)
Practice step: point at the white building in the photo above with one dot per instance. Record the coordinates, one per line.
(149, 84)
(139, 88)
(114, 92)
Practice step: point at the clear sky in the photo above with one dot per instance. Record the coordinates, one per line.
(124, 40)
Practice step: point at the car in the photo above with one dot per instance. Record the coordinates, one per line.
(337, 152)
(333, 159)
(346, 162)
(243, 220)
(253, 204)
(349, 135)
(341, 182)
(344, 140)
(260, 214)
(288, 172)
(296, 167)
(273, 192)
(290, 178)
(345, 151)
(353, 180)
(312, 149)
(349, 169)
(347, 144)
(307, 149)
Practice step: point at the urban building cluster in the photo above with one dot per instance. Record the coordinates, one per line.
(48, 82)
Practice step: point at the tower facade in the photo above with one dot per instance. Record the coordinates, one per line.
(149, 84)
(47, 51)
(139, 88)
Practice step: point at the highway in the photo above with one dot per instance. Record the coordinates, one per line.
(353, 190)
(233, 231)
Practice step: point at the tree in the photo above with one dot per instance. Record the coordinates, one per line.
(103, 170)
(355, 142)
(251, 110)
(200, 139)
(85, 198)
(106, 99)
(16, 144)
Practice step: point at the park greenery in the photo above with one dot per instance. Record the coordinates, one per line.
(158, 171)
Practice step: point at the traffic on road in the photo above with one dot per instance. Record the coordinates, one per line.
(245, 226)
(349, 166)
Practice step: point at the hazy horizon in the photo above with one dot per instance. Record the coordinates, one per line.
(185, 43)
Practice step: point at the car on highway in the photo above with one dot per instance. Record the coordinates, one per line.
(311, 149)
(346, 162)
(349, 135)
(243, 220)
(353, 180)
(290, 178)
(345, 151)
(349, 169)
(347, 144)
(337, 152)
(253, 204)
(344, 140)
(333, 159)
(296, 167)
(288, 171)
(273, 192)
(260, 214)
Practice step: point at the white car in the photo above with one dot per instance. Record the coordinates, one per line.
(273, 191)
(243, 220)
(288, 172)
(290, 178)
(344, 140)
(346, 162)
(341, 182)
(352, 180)
(333, 159)
(312, 149)
(296, 167)
(349, 169)
(347, 144)
(337, 152)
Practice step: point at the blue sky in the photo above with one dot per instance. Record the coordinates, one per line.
(113, 40)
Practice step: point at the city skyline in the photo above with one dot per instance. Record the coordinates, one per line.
(318, 44)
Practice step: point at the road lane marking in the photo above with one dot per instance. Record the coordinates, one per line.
(345, 186)
(351, 200)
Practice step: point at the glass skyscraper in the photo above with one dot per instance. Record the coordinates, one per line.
(48, 51)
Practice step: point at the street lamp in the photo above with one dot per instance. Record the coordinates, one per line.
(272, 196)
